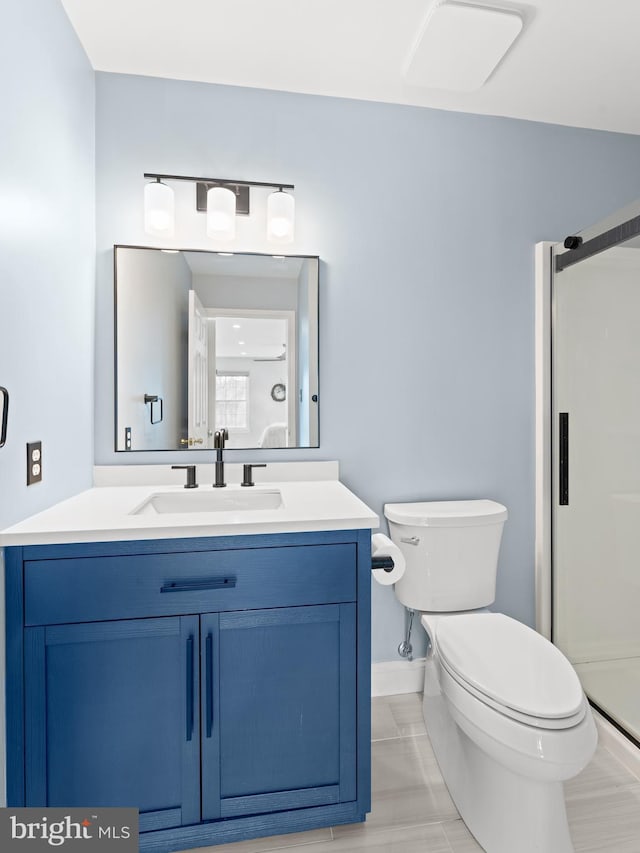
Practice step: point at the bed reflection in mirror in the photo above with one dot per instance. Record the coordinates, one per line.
(205, 340)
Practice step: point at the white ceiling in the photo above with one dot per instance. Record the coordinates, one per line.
(242, 264)
(577, 62)
(255, 337)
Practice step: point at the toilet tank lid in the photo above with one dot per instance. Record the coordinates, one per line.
(474, 513)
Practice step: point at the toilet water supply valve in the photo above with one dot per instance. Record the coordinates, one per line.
(405, 649)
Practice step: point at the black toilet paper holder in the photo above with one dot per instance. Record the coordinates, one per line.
(384, 563)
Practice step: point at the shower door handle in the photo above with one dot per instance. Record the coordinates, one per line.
(563, 459)
(4, 415)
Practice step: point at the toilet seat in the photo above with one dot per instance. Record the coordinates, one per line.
(511, 668)
(527, 719)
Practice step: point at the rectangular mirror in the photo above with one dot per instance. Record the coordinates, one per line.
(205, 340)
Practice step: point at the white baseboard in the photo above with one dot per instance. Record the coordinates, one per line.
(397, 676)
(618, 745)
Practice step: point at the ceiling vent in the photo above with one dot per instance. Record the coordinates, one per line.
(460, 45)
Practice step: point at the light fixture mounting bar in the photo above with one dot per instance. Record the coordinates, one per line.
(219, 181)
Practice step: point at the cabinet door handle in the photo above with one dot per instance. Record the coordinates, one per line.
(209, 684)
(198, 584)
(190, 688)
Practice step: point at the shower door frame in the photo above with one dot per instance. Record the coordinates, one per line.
(546, 254)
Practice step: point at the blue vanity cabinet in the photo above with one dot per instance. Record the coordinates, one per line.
(112, 717)
(280, 732)
(221, 685)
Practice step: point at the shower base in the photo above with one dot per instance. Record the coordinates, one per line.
(614, 685)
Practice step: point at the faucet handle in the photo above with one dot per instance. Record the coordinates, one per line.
(191, 475)
(247, 472)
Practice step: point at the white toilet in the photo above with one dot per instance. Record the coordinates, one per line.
(504, 708)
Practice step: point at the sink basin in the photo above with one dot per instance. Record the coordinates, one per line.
(210, 501)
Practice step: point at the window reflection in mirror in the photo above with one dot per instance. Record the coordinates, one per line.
(221, 341)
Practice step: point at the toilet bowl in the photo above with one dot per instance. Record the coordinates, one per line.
(504, 708)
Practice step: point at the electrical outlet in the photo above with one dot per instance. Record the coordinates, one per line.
(34, 462)
(127, 438)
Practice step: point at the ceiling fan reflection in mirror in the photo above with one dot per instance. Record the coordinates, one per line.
(281, 357)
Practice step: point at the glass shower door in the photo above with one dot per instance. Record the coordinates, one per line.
(596, 477)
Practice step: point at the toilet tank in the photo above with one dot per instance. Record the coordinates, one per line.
(451, 552)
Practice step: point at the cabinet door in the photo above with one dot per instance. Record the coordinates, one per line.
(113, 717)
(279, 709)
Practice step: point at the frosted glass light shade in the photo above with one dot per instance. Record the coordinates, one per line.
(159, 209)
(221, 213)
(281, 208)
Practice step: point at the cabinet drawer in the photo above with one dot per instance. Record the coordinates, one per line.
(85, 589)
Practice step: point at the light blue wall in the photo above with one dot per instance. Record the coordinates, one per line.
(425, 222)
(47, 254)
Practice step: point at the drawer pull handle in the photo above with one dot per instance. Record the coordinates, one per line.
(190, 688)
(209, 684)
(198, 584)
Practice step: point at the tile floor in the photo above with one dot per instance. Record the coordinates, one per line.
(412, 811)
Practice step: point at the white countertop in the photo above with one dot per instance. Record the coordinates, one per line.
(103, 514)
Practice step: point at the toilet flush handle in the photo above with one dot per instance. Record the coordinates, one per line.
(411, 540)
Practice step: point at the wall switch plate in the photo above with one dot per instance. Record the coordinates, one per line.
(34, 462)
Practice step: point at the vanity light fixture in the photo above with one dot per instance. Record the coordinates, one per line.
(222, 199)
(159, 206)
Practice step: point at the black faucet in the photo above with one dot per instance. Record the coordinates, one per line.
(191, 475)
(247, 479)
(219, 438)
